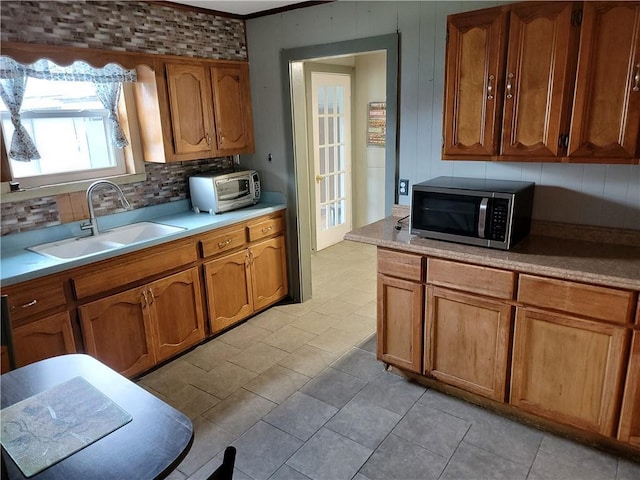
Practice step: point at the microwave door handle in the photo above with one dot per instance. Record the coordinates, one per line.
(482, 218)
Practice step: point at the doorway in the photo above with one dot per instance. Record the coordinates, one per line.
(299, 187)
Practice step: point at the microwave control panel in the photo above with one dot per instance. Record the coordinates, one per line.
(499, 219)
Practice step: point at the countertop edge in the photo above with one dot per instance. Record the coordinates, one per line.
(491, 258)
(43, 266)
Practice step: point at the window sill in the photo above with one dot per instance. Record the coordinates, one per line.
(7, 196)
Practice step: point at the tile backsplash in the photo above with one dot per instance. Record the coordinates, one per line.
(134, 26)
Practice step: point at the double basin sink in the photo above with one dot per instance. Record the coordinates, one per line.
(79, 247)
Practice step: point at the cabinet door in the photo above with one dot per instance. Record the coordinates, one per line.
(229, 296)
(49, 337)
(400, 308)
(630, 417)
(232, 108)
(474, 72)
(467, 341)
(567, 369)
(117, 331)
(606, 110)
(177, 311)
(268, 261)
(537, 87)
(190, 104)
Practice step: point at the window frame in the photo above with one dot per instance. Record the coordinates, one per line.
(63, 55)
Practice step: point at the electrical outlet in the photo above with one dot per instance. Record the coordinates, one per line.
(403, 187)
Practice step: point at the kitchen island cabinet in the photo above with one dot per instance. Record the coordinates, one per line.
(541, 332)
(468, 330)
(400, 309)
(629, 430)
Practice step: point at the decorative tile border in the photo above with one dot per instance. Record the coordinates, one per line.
(120, 25)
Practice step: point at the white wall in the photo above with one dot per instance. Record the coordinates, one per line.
(368, 164)
(585, 194)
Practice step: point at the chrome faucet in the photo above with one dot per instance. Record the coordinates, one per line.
(92, 224)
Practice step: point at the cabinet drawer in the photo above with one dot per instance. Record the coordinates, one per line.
(402, 265)
(471, 278)
(133, 269)
(577, 298)
(265, 228)
(30, 298)
(223, 240)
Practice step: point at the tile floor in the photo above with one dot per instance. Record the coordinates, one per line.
(299, 392)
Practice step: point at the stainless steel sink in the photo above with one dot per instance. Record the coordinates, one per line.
(74, 248)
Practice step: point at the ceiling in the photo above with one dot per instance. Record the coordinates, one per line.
(238, 7)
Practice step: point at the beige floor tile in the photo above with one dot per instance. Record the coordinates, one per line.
(356, 297)
(223, 380)
(211, 354)
(172, 377)
(239, 412)
(308, 360)
(300, 309)
(258, 357)
(243, 336)
(209, 440)
(369, 310)
(336, 307)
(277, 384)
(289, 338)
(336, 341)
(313, 322)
(356, 324)
(192, 401)
(272, 320)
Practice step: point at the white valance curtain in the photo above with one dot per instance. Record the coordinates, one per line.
(13, 80)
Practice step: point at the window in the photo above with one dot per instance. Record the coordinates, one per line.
(67, 120)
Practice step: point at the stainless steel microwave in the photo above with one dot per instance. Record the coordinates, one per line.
(475, 211)
(221, 193)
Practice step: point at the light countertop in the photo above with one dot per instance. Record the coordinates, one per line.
(18, 264)
(611, 265)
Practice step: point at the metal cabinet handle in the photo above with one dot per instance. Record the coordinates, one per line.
(208, 139)
(267, 229)
(26, 305)
(636, 79)
(509, 85)
(225, 243)
(490, 87)
(153, 297)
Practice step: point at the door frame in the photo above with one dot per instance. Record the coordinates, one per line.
(298, 208)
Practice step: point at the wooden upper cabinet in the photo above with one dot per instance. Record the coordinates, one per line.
(474, 72)
(537, 79)
(606, 110)
(232, 108)
(544, 81)
(191, 113)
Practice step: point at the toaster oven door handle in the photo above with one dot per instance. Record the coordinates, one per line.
(482, 218)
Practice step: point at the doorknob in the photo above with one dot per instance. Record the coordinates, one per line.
(319, 178)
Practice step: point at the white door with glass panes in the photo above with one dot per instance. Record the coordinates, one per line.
(331, 119)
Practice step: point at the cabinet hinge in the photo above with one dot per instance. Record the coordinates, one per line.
(447, 39)
(563, 140)
(576, 18)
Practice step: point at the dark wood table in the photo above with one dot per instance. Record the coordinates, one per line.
(149, 447)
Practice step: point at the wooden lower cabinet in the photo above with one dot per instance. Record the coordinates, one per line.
(400, 308)
(568, 369)
(178, 316)
(246, 281)
(629, 430)
(228, 290)
(117, 331)
(133, 330)
(467, 341)
(44, 338)
(268, 261)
